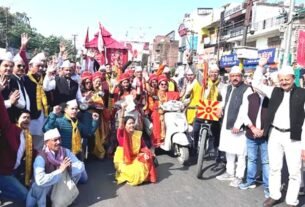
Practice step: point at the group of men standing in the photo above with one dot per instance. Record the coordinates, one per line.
(47, 144)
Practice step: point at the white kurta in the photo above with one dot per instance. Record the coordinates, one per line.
(229, 142)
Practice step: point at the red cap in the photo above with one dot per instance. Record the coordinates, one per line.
(86, 75)
(124, 76)
(153, 77)
(162, 78)
(97, 75)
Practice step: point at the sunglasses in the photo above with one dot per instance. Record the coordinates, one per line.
(21, 66)
(163, 84)
(88, 82)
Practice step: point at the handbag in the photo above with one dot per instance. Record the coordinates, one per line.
(64, 192)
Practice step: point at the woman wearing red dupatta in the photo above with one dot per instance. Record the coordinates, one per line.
(157, 115)
(133, 161)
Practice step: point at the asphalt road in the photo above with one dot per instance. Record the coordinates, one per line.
(177, 186)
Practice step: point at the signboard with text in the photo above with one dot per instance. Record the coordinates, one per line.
(231, 60)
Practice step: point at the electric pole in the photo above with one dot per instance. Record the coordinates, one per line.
(288, 34)
(247, 22)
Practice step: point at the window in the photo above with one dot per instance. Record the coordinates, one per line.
(274, 42)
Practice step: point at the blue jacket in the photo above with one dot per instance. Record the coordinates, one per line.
(65, 128)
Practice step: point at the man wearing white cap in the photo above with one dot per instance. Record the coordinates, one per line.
(232, 136)
(71, 130)
(52, 164)
(10, 95)
(192, 95)
(63, 87)
(16, 83)
(212, 92)
(285, 128)
(38, 99)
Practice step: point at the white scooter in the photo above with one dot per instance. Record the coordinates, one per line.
(176, 139)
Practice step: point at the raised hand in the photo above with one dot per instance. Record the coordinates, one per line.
(24, 39)
(62, 47)
(57, 110)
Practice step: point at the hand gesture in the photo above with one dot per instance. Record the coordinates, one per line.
(65, 164)
(62, 47)
(164, 62)
(124, 105)
(95, 116)
(262, 62)
(14, 97)
(57, 110)
(219, 112)
(3, 82)
(256, 132)
(88, 96)
(24, 39)
(235, 130)
(65, 55)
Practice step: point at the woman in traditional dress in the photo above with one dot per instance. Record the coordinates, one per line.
(157, 115)
(133, 161)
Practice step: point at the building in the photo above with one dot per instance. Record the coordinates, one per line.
(165, 48)
(265, 32)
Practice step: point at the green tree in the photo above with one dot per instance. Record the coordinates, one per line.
(13, 25)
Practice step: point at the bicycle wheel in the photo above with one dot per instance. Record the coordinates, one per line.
(201, 153)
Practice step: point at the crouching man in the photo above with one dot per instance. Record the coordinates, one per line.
(49, 167)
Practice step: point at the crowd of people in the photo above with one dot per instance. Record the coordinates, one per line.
(56, 114)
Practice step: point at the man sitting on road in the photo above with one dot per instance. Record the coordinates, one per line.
(49, 168)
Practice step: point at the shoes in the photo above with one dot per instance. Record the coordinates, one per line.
(266, 193)
(271, 202)
(236, 182)
(218, 166)
(245, 186)
(225, 176)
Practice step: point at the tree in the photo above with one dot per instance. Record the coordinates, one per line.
(13, 25)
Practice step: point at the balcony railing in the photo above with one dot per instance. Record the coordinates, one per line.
(267, 23)
(257, 26)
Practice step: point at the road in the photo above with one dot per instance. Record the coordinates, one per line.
(177, 186)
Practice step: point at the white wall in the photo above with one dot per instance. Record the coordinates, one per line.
(262, 43)
(261, 12)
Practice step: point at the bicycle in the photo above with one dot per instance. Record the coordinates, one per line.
(203, 145)
(206, 111)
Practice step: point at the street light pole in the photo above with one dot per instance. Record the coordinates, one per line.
(288, 34)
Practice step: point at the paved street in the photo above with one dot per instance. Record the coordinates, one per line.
(177, 187)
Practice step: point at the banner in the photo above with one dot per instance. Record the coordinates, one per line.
(301, 48)
(231, 60)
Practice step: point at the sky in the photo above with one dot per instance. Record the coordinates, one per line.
(122, 18)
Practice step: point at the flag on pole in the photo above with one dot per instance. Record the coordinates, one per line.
(205, 66)
(100, 41)
(87, 37)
